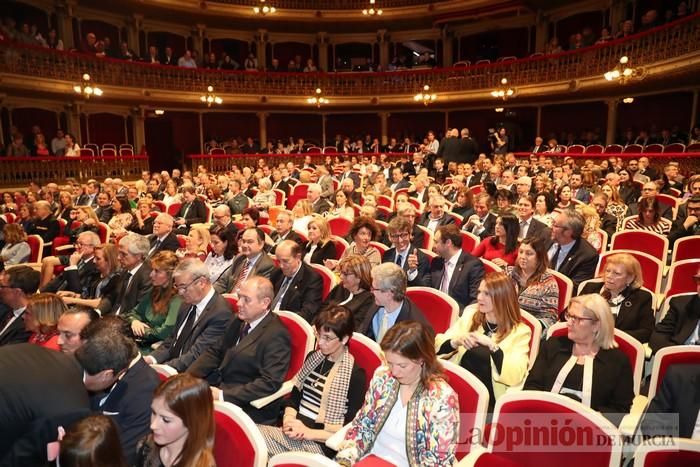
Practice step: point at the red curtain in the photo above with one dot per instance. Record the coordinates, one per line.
(353, 126)
(225, 126)
(105, 128)
(662, 110)
(25, 118)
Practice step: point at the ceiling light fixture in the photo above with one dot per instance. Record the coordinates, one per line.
(425, 96)
(86, 88)
(210, 98)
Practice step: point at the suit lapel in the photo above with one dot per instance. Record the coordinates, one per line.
(457, 271)
(252, 336)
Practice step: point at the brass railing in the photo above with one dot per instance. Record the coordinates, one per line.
(327, 5)
(18, 171)
(670, 41)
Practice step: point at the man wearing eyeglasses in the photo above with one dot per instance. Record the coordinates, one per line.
(570, 254)
(414, 262)
(689, 224)
(16, 285)
(681, 325)
(80, 269)
(201, 321)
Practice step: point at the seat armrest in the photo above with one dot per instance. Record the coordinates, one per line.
(471, 458)
(336, 438)
(629, 422)
(286, 388)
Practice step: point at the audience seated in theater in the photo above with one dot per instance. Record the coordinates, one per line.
(586, 364)
(298, 287)
(435, 216)
(103, 211)
(192, 211)
(320, 248)
(143, 221)
(163, 238)
(65, 207)
(83, 219)
(650, 190)
(101, 292)
(252, 261)
(318, 204)
(302, 215)
(569, 253)
(482, 222)
(413, 261)
(252, 358)
(608, 222)
(196, 244)
(354, 292)
(455, 272)
(591, 224)
(16, 249)
(201, 320)
(502, 247)
(343, 206)
(170, 194)
(79, 268)
(362, 231)
(621, 286)
(489, 339)
(628, 190)
(182, 426)
(528, 225)
(538, 291)
(153, 318)
(412, 380)
(648, 218)
(326, 392)
(120, 381)
(39, 386)
(17, 285)
(464, 202)
(44, 225)
(224, 249)
(680, 325)
(393, 306)
(94, 440)
(136, 281)
(689, 225)
(71, 325)
(122, 217)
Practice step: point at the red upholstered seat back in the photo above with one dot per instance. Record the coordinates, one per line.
(680, 278)
(35, 245)
(339, 226)
(687, 248)
(231, 444)
(469, 411)
(298, 344)
(174, 208)
(640, 240)
(365, 358)
(672, 457)
(675, 359)
(436, 310)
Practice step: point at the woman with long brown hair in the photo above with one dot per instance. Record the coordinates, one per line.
(153, 319)
(92, 441)
(410, 415)
(489, 339)
(182, 425)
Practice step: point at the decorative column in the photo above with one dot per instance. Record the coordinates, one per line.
(383, 38)
(538, 126)
(322, 42)
(73, 112)
(134, 25)
(262, 118)
(611, 129)
(447, 47)
(540, 32)
(139, 114)
(261, 48)
(384, 118)
(198, 39)
(64, 22)
(693, 112)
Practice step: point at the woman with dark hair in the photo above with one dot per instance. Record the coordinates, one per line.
(122, 217)
(92, 441)
(544, 208)
(564, 197)
(538, 291)
(72, 148)
(489, 339)
(464, 204)
(502, 247)
(499, 141)
(628, 190)
(342, 206)
(362, 231)
(322, 400)
(224, 249)
(250, 218)
(649, 218)
(504, 201)
(354, 291)
(182, 425)
(410, 415)
(153, 319)
(616, 206)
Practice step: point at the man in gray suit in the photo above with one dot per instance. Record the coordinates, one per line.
(201, 321)
(238, 201)
(136, 276)
(253, 261)
(318, 204)
(325, 181)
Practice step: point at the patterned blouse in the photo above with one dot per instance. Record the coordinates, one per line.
(540, 299)
(432, 422)
(371, 253)
(619, 211)
(662, 226)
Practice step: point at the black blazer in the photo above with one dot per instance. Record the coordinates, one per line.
(104, 214)
(538, 229)
(679, 394)
(292, 235)
(423, 276)
(489, 226)
(465, 279)
(635, 317)
(326, 251)
(580, 263)
(15, 333)
(196, 214)
(361, 304)
(608, 223)
(444, 220)
(612, 390)
(147, 228)
(678, 324)
(131, 293)
(74, 280)
(169, 243)
(129, 405)
(253, 368)
(409, 312)
(206, 332)
(304, 294)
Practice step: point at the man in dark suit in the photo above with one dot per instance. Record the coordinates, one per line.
(398, 180)
(37, 383)
(450, 146)
(136, 281)
(104, 208)
(455, 272)
(539, 146)
(436, 216)
(252, 261)
(578, 191)
(252, 358)
(414, 262)
(318, 204)
(278, 183)
(389, 290)
(238, 201)
(529, 226)
(121, 382)
(608, 222)
(89, 198)
(674, 409)
(80, 270)
(283, 231)
(45, 225)
(687, 225)
(222, 220)
(570, 254)
(348, 173)
(482, 223)
(163, 238)
(298, 287)
(680, 325)
(468, 148)
(192, 211)
(16, 285)
(201, 321)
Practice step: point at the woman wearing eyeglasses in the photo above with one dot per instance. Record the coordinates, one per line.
(354, 290)
(586, 364)
(321, 401)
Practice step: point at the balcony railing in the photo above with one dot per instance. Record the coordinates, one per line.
(667, 42)
(327, 5)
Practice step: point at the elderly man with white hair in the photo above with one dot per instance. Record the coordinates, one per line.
(136, 275)
(163, 237)
(318, 204)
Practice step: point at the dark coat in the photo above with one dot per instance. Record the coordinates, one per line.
(409, 312)
(423, 272)
(465, 280)
(580, 263)
(361, 304)
(326, 251)
(304, 293)
(678, 396)
(678, 324)
(133, 292)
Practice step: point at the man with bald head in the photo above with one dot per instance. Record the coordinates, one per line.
(163, 238)
(252, 358)
(298, 287)
(222, 219)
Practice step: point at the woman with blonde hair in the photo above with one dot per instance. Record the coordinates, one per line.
(143, 221)
(319, 248)
(182, 425)
(586, 364)
(65, 206)
(16, 249)
(103, 293)
(85, 220)
(620, 283)
(41, 319)
(591, 225)
(489, 338)
(302, 216)
(171, 195)
(196, 245)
